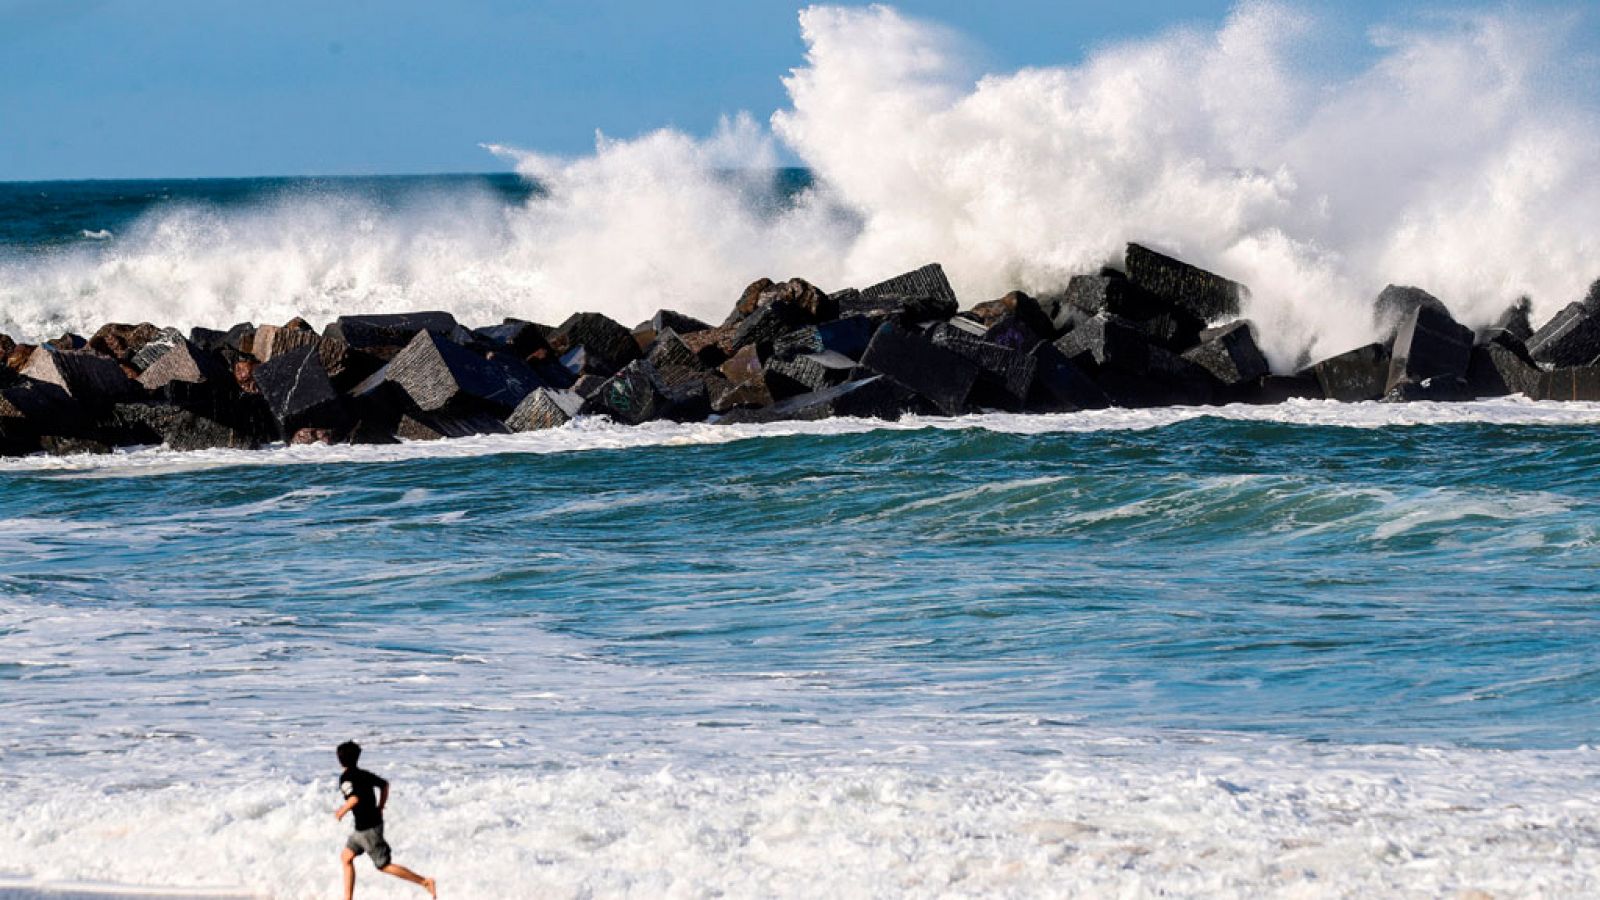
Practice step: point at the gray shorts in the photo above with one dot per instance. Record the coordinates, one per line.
(370, 842)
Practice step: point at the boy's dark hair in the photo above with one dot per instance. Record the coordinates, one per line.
(349, 754)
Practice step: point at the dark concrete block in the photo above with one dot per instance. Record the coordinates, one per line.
(241, 338)
(383, 334)
(631, 397)
(1571, 339)
(750, 393)
(150, 351)
(299, 393)
(581, 361)
(1270, 390)
(603, 337)
(1061, 386)
(1501, 366)
(524, 340)
(588, 385)
(1018, 306)
(435, 426)
(184, 362)
(181, 429)
(876, 397)
(669, 351)
(121, 341)
(1429, 346)
(544, 408)
(1355, 375)
(924, 295)
(1015, 332)
(668, 320)
(848, 337)
(1230, 354)
(806, 373)
(914, 362)
(1202, 294)
(1005, 374)
(94, 381)
(766, 325)
(272, 340)
(801, 301)
(437, 374)
(31, 410)
(208, 339)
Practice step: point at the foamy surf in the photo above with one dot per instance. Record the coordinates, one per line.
(596, 434)
(1214, 817)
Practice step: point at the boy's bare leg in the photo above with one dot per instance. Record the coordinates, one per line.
(347, 858)
(400, 871)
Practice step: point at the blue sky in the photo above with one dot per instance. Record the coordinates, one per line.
(131, 88)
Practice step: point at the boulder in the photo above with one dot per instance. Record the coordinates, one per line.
(435, 426)
(121, 341)
(185, 362)
(726, 395)
(1500, 365)
(668, 320)
(384, 334)
(1270, 390)
(876, 397)
(912, 361)
(299, 393)
(1061, 386)
(31, 410)
(1005, 374)
(544, 408)
(923, 295)
(807, 372)
(1133, 371)
(1571, 339)
(1429, 346)
(632, 396)
(1230, 354)
(159, 344)
(519, 338)
(743, 366)
(587, 385)
(94, 381)
(1019, 306)
(1355, 375)
(241, 337)
(208, 339)
(602, 336)
(800, 301)
(1204, 295)
(1161, 320)
(439, 375)
(68, 341)
(1014, 331)
(181, 429)
(669, 351)
(581, 361)
(848, 337)
(766, 325)
(271, 340)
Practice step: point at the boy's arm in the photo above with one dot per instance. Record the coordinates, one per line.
(348, 805)
(383, 796)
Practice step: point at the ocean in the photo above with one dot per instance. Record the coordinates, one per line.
(1312, 650)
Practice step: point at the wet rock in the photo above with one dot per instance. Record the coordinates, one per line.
(184, 362)
(208, 339)
(796, 300)
(68, 342)
(762, 328)
(581, 361)
(94, 381)
(1061, 386)
(244, 375)
(876, 397)
(1005, 374)
(1111, 292)
(436, 426)
(676, 322)
(1429, 346)
(544, 408)
(603, 337)
(632, 396)
(120, 341)
(807, 372)
(384, 334)
(1500, 365)
(438, 375)
(272, 340)
(713, 345)
(299, 393)
(1017, 306)
(746, 365)
(1355, 375)
(1230, 354)
(1202, 294)
(848, 337)
(586, 386)
(1571, 339)
(1270, 390)
(73, 445)
(669, 351)
(1014, 332)
(923, 295)
(309, 436)
(913, 362)
(157, 346)
(1396, 302)
(748, 394)
(31, 410)
(180, 429)
(1133, 371)
(241, 337)
(522, 339)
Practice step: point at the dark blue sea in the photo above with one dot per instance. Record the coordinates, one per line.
(1307, 650)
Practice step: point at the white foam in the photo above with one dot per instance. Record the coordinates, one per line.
(1460, 159)
(594, 434)
(1218, 818)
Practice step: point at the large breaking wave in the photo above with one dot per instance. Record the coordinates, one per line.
(1460, 159)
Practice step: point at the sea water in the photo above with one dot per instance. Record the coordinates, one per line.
(1309, 650)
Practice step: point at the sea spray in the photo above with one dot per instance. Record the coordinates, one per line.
(1458, 160)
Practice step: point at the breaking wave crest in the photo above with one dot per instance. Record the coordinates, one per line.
(1459, 159)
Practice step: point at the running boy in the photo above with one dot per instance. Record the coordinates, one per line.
(358, 786)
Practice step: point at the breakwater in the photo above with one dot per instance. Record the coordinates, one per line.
(1154, 332)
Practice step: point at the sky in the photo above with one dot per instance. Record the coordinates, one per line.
(201, 88)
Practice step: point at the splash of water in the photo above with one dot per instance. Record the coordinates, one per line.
(1456, 161)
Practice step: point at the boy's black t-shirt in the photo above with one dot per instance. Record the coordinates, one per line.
(360, 783)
